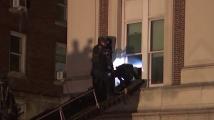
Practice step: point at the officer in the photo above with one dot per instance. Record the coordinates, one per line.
(125, 73)
(102, 69)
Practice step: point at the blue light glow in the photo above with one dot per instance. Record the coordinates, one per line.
(117, 82)
(118, 61)
(135, 60)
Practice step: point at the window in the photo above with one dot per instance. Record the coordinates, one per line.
(19, 3)
(156, 51)
(17, 52)
(61, 12)
(60, 57)
(133, 46)
(133, 38)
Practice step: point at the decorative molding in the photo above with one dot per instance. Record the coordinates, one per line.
(180, 86)
(157, 112)
(199, 66)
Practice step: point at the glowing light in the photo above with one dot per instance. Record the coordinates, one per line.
(122, 60)
(135, 61)
(137, 64)
(117, 82)
(118, 61)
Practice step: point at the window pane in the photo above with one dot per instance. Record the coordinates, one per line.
(60, 57)
(60, 53)
(60, 50)
(157, 68)
(135, 60)
(59, 66)
(15, 44)
(134, 38)
(157, 35)
(15, 63)
(60, 13)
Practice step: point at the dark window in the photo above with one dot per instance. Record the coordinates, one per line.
(60, 57)
(157, 68)
(156, 51)
(61, 11)
(157, 35)
(134, 38)
(15, 53)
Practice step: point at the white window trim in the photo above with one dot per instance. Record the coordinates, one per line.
(23, 52)
(151, 52)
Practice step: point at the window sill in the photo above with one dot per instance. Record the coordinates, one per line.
(18, 75)
(61, 23)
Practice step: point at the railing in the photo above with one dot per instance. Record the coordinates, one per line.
(86, 106)
(71, 107)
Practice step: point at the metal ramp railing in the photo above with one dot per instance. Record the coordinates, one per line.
(86, 106)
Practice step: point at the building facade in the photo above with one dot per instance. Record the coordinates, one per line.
(171, 40)
(32, 49)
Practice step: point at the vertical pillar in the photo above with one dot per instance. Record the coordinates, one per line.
(103, 17)
(178, 41)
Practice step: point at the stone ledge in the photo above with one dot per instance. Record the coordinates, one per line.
(158, 112)
(199, 84)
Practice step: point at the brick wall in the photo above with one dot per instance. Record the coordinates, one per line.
(103, 17)
(4, 43)
(178, 40)
(42, 34)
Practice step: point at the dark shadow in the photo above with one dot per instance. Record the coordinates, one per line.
(78, 66)
(79, 60)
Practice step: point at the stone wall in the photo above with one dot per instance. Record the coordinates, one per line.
(186, 102)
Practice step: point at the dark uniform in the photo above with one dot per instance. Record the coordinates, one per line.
(125, 73)
(102, 68)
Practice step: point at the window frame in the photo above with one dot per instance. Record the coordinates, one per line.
(126, 42)
(133, 22)
(23, 51)
(60, 44)
(65, 14)
(150, 53)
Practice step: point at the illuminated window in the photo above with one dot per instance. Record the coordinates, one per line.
(133, 47)
(17, 52)
(156, 51)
